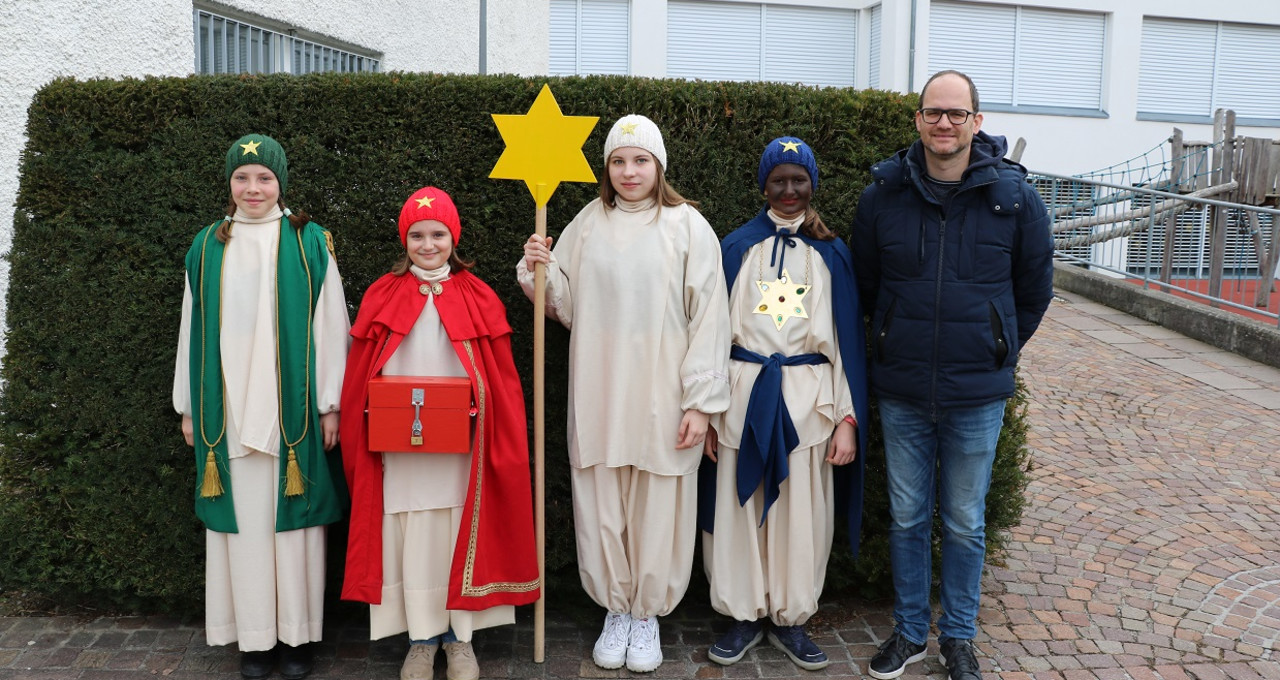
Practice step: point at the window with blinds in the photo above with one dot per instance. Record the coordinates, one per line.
(1188, 69)
(1022, 58)
(224, 45)
(590, 36)
(747, 41)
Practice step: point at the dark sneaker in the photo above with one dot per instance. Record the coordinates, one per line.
(795, 643)
(958, 657)
(893, 657)
(743, 635)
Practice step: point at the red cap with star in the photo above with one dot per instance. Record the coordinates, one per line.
(430, 203)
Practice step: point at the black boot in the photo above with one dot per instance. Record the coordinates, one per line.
(296, 662)
(254, 665)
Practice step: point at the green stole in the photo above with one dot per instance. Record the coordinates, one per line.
(301, 262)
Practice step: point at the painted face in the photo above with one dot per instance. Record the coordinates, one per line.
(255, 190)
(633, 172)
(788, 189)
(429, 244)
(944, 139)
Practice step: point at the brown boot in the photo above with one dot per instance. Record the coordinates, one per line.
(462, 661)
(420, 663)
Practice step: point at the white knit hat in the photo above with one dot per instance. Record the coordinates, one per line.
(638, 131)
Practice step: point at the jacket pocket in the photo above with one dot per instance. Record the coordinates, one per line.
(997, 334)
(883, 334)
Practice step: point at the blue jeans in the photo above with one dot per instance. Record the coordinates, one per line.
(951, 450)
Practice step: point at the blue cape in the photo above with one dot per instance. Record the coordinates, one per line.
(851, 337)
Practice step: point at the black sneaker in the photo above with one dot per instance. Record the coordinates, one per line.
(795, 643)
(958, 657)
(893, 657)
(731, 646)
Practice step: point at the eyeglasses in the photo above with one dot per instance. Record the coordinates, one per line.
(956, 116)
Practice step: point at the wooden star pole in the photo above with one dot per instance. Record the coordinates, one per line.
(544, 148)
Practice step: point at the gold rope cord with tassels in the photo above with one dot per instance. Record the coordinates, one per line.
(211, 487)
(293, 482)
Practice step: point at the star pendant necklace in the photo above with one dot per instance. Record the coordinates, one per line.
(782, 298)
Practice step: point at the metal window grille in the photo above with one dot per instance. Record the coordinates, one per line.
(229, 46)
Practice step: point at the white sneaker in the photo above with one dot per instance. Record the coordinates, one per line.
(644, 650)
(611, 647)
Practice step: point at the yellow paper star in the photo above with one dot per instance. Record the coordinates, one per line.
(628, 128)
(790, 146)
(544, 147)
(781, 299)
(250, 148)
(425, 201)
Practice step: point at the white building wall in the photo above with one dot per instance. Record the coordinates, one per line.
(1074, 144)
(44, 39)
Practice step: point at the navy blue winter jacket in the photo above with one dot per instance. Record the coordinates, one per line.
(955, 295)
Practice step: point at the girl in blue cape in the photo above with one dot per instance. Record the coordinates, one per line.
(768, 495)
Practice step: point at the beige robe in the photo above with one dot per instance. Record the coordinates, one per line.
(642, 290)
(645, 301)
(778, 570)
(422, 496)
(261, 585)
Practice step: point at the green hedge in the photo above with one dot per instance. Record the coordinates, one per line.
(95, 481)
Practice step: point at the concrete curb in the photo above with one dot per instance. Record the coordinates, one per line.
(1222, 329)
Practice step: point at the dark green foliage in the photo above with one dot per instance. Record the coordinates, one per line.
(95, 482)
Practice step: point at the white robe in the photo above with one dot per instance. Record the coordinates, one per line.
(261, 585)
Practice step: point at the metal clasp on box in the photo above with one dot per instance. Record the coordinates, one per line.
(418, 398)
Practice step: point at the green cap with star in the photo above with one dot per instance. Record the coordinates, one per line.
(262, 150)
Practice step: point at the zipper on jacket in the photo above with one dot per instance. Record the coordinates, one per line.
(997, 332)
(937, 312)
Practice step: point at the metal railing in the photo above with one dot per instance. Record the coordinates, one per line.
(1210, 250)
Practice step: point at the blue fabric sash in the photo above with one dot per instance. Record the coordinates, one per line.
(769, 435)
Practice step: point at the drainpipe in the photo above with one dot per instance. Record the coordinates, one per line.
(484, 36)
(911, 55)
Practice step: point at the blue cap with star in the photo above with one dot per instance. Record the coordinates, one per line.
(788, 150)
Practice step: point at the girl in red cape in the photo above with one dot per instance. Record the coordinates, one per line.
(440, 545)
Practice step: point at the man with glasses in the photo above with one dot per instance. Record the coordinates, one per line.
(953, 253)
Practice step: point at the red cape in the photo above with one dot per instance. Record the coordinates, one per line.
(495, 560)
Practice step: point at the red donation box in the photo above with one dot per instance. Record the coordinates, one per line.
(420, 415)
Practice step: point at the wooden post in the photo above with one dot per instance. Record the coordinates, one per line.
(1224, 132)
(540, 437)
(1018, 147)
(1171, 224)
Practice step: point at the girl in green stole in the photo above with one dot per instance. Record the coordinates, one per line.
(258, 380)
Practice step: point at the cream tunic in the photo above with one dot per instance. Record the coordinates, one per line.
(416, 481)
(248, 338)
(644, 295)
(262, 585)
(817, 396)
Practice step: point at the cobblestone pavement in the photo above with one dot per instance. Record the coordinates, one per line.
(1149, 550)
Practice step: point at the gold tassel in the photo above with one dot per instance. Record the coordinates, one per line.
(212, 485)
(293, 476)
